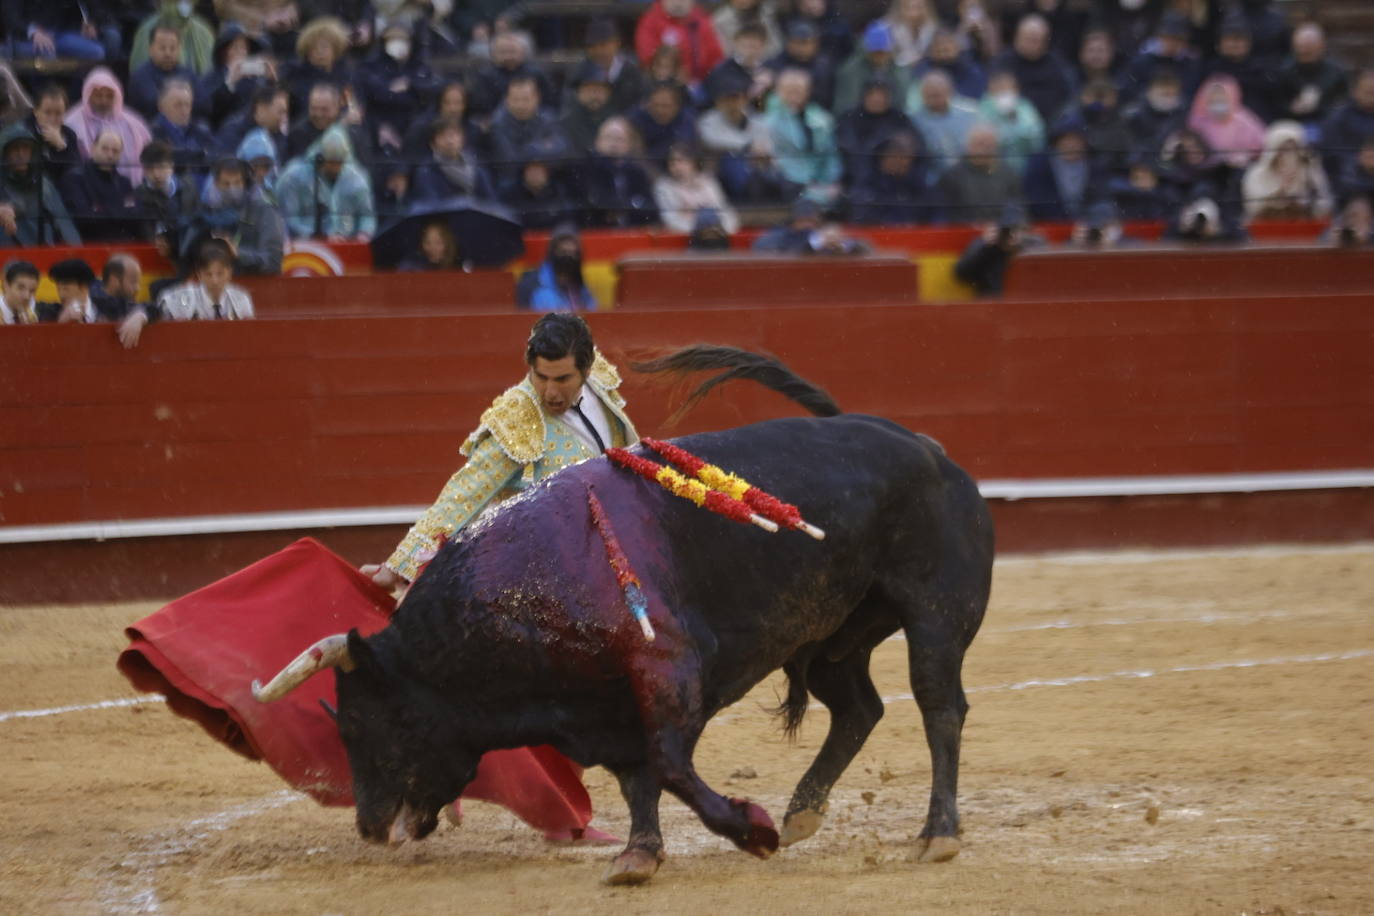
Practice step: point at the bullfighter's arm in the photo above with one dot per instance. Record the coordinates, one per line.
(488, 471)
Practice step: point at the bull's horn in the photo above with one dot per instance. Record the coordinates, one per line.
(330, 652)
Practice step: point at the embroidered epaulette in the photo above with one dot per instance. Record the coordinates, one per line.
(606, 379)
(515, 421)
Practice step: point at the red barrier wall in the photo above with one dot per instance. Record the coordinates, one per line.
(208, 418)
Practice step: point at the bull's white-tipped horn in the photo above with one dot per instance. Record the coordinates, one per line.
(330, 652)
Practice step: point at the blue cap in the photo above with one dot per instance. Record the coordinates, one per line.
(877, 37)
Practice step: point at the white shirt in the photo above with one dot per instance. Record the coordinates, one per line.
(190, 301)
(591, 406)
(7, 315)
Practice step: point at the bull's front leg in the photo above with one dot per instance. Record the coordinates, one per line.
(669, 697)
(644, 852)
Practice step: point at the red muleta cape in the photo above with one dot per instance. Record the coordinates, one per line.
(202, 652)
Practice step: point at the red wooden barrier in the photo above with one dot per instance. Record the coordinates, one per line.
(1174, 271)
(759, 281)
(429, 292)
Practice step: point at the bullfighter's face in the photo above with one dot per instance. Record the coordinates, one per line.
(404, 748)
(557, 382)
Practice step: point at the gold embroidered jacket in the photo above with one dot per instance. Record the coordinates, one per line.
(515, 445)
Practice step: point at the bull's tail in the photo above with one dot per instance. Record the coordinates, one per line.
(793, 707)
(738, 364)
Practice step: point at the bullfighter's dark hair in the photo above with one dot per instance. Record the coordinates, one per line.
(561, 334)
(738, 364)
(16, 269)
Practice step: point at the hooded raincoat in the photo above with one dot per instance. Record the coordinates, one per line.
(88, 125)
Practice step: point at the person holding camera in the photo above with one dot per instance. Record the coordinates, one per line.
(983, 265)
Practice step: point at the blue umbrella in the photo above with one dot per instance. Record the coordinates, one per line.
(487, 233)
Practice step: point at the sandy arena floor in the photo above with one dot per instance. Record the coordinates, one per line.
(1176, 734)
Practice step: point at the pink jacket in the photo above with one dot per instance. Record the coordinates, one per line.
(88, 125)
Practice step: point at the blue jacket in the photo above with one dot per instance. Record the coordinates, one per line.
(145, 84)
(384, 106)
(1045, 199)
(430, 183)
(104, 201)
(190, 144)
(547, 297)
(818, 164)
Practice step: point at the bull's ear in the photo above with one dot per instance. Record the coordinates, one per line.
(360, 652)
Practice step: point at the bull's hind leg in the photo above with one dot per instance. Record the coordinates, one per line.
(644, 852)
(847, 690)
(935, 680)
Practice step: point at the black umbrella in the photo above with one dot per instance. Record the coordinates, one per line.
(487, 233)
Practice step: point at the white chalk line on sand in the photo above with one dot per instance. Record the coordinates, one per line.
(80, 707)
(137, 893)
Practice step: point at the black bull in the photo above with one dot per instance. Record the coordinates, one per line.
(518, 634)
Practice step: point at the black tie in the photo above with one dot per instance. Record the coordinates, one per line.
(219, 312)
(577, 409)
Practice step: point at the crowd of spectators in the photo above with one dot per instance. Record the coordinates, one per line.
(250, 121)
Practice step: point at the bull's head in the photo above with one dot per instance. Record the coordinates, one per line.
(404, 747)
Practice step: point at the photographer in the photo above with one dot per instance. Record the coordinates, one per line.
(983, 265)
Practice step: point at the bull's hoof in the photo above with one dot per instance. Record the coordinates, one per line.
(761, 837)
(454, 813)
(937, 849)
(800, 825)
(633, 866)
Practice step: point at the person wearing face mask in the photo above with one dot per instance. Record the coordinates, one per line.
(1108, 136)
(1157, 114)
(251, 227)
(31, 209)
(557, 285)
(197, 37)
(396, 86)
(1020, 130)
(1235, 134)
(1235, 57)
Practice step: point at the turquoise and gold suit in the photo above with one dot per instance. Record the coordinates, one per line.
(516, 445)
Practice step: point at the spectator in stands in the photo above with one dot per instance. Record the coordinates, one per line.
(896, 191)
(1131, 22)
(320, 60)
(324, 109)
(245, 221)
(1157, 114)
(733, 15)
(745, 63)
(326, 194)
(793, 236)
(540, 198)
(75, 29)
(31, 209)
(617, 189)
(587, 106)
(684, 190)
(164, 200)
(17, 305)
(740, 141)
(118, 294)
(682, 24)
(190, 139)
(603, 52)
(60, 151)
(452, 102)
(980, 184)
(662, 121)
(1099, 227)
(75, 280)
(859, 133)
(1067, 22)
(962, 68)
(1287, 181)
(557, 285)
(197, 39)
(438, 250)
(1357, 178)
(102, 109)
(1097, 57)
(520, 124)
(666, 66)
(1350, 124)
(1257, 77)
(1202, 190)
(1045, 78)
(1021, 132)
(238, 71)
(1268, 26)
(804, 138)
(873, 58)
(1168, 51)
(1309, 84)
(510, 61)
(209, 295)
(100, 196)
(275, 20)
(983, 264)
(837, 38)
(164, 63)
(913, 26)
(1064, 181)
(944, 121)
(1109, 139)
(396, 85)
(1354, 225)
(1138, 195)
(451, 170)
(267, 112)
(260, 155)
(1234, 132)
(802, 51)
